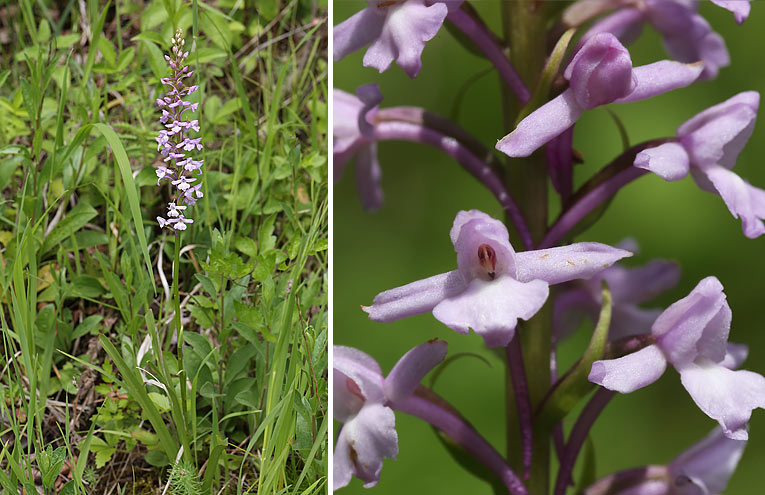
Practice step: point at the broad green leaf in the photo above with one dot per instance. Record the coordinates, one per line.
(89, 325)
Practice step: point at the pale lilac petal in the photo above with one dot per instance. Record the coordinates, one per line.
(680, 328)
(362, 369)
(740, 8)
(688, 37)
(415, 298)
(345, 128)
(626, 24)
(368, 177)
(347, 398)
(725, 395)
(651, 487)
(560, 264)
(407, 28)
(492, 309)
(600, 72)
(660, 77)
(482, 245)
(542, 125)
(736, 355)
(742, 199)
(717, 135)
(631, 372)
(406, 375)
(640, 284)
(356, 32)
(711, 461)
(669, 161)
(362, 443)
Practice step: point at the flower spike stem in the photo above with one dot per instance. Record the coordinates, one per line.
(465, 435)
(578, 435)
(405, 131)
(476, 31)
(179, 332)
(522, 400)
(620, 172)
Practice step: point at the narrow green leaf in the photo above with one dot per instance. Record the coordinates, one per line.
(78, 216)
(132, 381)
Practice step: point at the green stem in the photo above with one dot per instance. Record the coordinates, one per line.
(524, 31)
(179, 339)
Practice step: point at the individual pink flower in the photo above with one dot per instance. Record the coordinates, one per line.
(394, 30)
(600, 73)
(493, 285)
(692, 336)
(707, 146)
(352, 135)
(704, 469)
(361, 398)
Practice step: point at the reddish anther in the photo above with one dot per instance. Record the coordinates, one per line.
(488, 259)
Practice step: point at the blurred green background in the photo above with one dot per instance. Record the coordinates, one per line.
(408, 240)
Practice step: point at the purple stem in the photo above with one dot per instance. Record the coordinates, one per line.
(465, 435)
(405, 131)
(578, 435)
(599, 189)
(559, 440)
(478, 33)
(522, 400)
(559, 153)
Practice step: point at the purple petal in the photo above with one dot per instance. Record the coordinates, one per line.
(669, 161)
(626, 24)
(636, 285)
(718, 134)
(688, 37)
(742, 199)
(560, 264)
(660, 77)
(356, 32)
(368, 177)
(631, 372)
(546, 122)
(740, 8)
(362, 369)
(345, 114)
(362, 443)
(492, 309)
(697, 324)
(406, 375)
(600, 72)
(711, 461)
(408, 26)
(725, 395)
(735, 356)
(347, 398)
(415, 298)
(482, 245)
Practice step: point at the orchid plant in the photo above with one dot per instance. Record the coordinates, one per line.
(520, 283)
